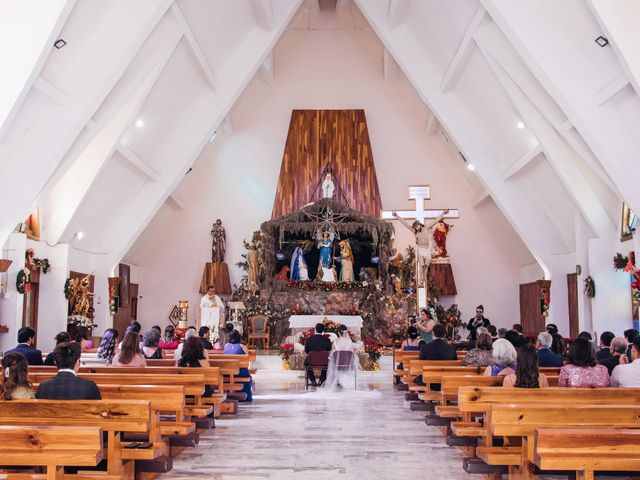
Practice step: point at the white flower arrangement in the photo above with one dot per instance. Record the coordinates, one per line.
(80, 321)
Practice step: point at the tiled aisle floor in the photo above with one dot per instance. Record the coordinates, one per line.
(289, 434)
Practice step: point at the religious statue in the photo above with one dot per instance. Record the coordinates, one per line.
(253, 259)
(440, 238)
(425, 241)
(299, 270)
(346, 258)
(219, 245)
(325, 245)
(328, 187)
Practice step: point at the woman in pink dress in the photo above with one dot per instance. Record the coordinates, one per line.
(581, 369)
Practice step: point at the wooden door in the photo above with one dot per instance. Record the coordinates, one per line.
(572, 290)
(128, 308)
(531, 303)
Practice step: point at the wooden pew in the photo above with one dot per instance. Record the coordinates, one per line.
(521, 420)
(478, 400)
(402, 357)
(112, 416)
(587, 450)
(229, 366)
(53, 447)
(200, 408)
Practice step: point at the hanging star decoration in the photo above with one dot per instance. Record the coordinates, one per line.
(327, 221)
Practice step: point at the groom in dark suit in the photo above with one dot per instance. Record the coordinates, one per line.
(317, 343)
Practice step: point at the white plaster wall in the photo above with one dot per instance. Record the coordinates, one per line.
(235, 177)
(11, 300)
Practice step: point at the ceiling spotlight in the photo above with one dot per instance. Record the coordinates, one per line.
(520, 124)
(602, 41)
(213, 136)
(470, 167)
(139, 123)
(61, 43)
(79, 235)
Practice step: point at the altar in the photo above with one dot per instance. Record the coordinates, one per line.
(302, 323)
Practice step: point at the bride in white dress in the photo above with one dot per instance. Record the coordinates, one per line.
(344, 367)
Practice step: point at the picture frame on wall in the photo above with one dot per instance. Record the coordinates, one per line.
(628, 224)
(124, 272)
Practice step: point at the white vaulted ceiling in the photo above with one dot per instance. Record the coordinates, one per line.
(70, 143)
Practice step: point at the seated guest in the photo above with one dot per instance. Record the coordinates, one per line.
(82, 337)
(439, 348)
(502, 332)
(66, 385)
(546, 358)
(316, 343)
(130, 355)
(203, 333)
(26, 342)
(224, 335)
(515, 336)
(189, 332)
(526, 374)
(150, 348)
(481, 356)
(157, 328)
(62, 337)
(133, 327)
(552, 328)
(107, 348)
(605, 346)
(628, 375)
(493, 331)
(193, 354)
(14, 381)
(618, 351)
(581, 369)
(412, 342)
(557, 345)
(234, 347)
(169, 341)
(630, 335)
(503, 359)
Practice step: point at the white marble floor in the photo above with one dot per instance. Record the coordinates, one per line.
(287, 434)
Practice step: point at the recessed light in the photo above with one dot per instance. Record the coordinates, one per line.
(79, 235)
(520, 124)
(213, 136)
(139, 123)
(602, 41)
(59, 43)
(470, 167)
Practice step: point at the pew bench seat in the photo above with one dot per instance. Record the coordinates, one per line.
(467, 429)
(499, 455)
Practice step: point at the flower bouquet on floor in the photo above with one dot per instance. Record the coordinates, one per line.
(286, 350)
(374, 350)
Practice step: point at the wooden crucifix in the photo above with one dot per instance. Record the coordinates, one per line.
(428, 247)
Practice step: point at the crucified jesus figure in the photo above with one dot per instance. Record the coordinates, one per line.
(425, 244)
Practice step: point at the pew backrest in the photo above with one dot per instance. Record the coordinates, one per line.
(50, 445)
(110, 415)
(478, 399)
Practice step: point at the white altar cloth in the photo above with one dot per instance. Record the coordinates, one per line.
(300, 323)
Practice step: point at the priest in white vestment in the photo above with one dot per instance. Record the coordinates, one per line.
(208, 302)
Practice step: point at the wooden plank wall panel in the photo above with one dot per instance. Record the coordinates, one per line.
(318, 138)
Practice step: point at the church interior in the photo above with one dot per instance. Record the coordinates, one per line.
(256, 168)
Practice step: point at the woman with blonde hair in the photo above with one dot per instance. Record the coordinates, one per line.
(14, 383)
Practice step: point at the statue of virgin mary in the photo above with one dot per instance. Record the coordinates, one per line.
(299, 271)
